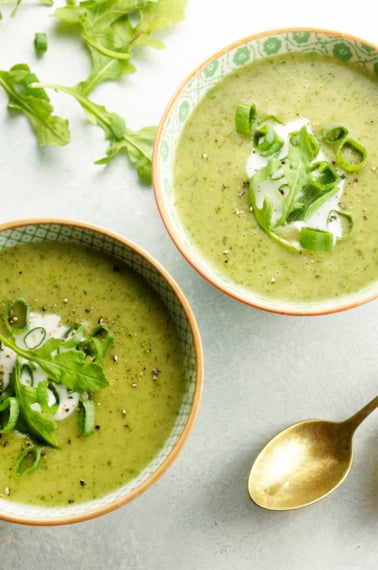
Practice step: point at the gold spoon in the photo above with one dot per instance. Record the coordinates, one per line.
(305, 462)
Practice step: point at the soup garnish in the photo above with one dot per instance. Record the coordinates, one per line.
(48, 370)
(294, 187)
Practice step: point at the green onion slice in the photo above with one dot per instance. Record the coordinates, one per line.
(73, 335)
(43, 391)
(86, 416)
(334, 133)
(40, 42)
(104, 335)
(266, 140)
(324, 175)
(351, 156)
(92, 348)
(17, 317)
(95, 345)
(41, 332)
(347, 220)
(10, 404)
(28, 461)
(245, 116)
(316, 240)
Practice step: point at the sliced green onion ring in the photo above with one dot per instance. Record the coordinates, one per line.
(92, 348)
(351, 156)
(348, 224)
(12, 405)
(17, 317)
(104, 335)
(28, 461)
(40, 42)
(43, 390)
(316, 239)
(266, 140)
(73, 335)
(42, 333)
(86, 416)
(324, 175)
(334, 133)
(245, 116)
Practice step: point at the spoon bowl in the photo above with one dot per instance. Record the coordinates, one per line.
(305, 462)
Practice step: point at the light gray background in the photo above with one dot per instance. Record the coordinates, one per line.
(262, 371)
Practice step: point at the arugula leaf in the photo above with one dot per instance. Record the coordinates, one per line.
(112, 29)
(35, 104)
(66, 366)
(137, 144)
(30, 420)
(296, 172)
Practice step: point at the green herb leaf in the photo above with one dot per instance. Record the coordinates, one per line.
(136, 144)
(32, 421)
(68, 367)
(35, 104)
(302, 150)
(112, 29)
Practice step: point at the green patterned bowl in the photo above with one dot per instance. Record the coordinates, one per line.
(343, 49)
(100, 239)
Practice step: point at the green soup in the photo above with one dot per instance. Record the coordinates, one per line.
(210, 177)
(144, 365)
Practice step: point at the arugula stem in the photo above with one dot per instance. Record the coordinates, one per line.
(102, 49)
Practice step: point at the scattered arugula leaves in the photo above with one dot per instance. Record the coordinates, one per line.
(111, 30)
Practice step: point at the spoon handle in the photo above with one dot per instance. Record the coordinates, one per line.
(355, 420)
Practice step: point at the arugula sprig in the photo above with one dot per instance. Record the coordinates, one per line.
(113, 29)
(35, 104)
(136, 144)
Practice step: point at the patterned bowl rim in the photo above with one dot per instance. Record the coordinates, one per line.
(350, 301)
(46, 516)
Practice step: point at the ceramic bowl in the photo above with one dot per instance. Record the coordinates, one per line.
(344, 49)
(39, 230)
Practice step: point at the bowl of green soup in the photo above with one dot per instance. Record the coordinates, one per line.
(100, 371)
(265, 171)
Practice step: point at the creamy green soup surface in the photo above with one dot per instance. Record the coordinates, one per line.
(210, 176)
(144, 366)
